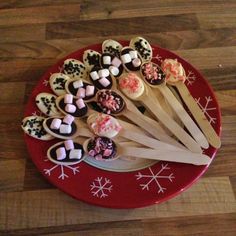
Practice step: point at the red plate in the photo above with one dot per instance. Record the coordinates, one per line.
(144, 187)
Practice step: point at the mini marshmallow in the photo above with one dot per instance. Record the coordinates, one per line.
(114, 70)
(103, 73)
(89, 90)
(80, 93)
(70, 108)
(69, 145)
(136, 62)
(75, 154)
(104, 82)
(94, 75)
(107, 60)
(68, 99)
(61, 153)
(126, 58)
(80, 103)
(116, 62)
(65, 129)
(133, 54)
(55, 124)
(78, 84)
(68, 119)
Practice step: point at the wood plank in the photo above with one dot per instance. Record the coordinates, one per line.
(111, 27)
(210, 225)
(44, 208)
(11, 115)
(227, 101)
(233, 183)
(36, 15)
(22, 33)
(12, 175)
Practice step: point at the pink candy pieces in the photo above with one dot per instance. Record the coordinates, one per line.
(81, 93)
(116, 62)
(68, 99)
(104, 82)
(80, 103)
(68, 119)
(89, 90)
(70, 108)
(55, 124)
(61, 153)
(69, 145)
(107, 152)
(136, 62)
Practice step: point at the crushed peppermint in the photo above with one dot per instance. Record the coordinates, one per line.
(130, 82)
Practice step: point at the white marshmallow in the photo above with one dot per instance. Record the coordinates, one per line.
(55, 123)
(70, 108)
(78, 84)
(133, 54)
(68, 98)
(75, 154)
(106, 60)
(94, 75)
(89, 90)
(126, 58)
(104, 82)
(61, 153)
(116, 62)
(136, 62)
(114, 70)
(65, 129)
(103, 73)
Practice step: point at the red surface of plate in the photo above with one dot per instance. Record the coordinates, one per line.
(155, 184)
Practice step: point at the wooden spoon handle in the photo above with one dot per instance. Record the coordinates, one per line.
(184, 116)
(171, 125)
(199, 116)
(166, 155)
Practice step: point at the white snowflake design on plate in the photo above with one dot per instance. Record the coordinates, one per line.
(153, 179)
(157, 57)
(190, 78)
(45, 83)
(63, 168)
(101, 187)
(206, 107)
(37, 113)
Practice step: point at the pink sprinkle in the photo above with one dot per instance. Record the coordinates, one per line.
(99, 157)
(80, 103)
(91, 153)
(68, 98)
(107, 152)
(80, 93)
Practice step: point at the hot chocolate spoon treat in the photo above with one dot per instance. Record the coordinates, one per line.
(81, 89)
(57, 83)
(111, 46)
(105, 149)
(134, 88)
(143, 47)
(33, 126)
(175, 75)
(46, 102)
(155, 77)
(91, 58)
(131, 59)
(75, 69)
(66, 127)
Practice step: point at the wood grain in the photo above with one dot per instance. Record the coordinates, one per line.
(36, 34)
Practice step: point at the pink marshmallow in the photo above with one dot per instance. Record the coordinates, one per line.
(69, 145)
(68, 119)
(68, 98)
(80, 103)
(116, 62)
(55, 124)
(136, 62)
(61, 153)
(70, 108)
(104, 82)
(80, 93)
(89, 90)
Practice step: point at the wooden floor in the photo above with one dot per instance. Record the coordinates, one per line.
(34, 34)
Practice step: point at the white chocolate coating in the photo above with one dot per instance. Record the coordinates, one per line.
(57, 83)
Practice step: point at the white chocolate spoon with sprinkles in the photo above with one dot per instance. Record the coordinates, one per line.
(155, 78)
(175, 75)
(134, 88)
(105, 149)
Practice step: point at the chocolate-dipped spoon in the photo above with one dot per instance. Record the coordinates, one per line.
(175, 76)
(155, 78)
(134, 88)
(66, 127)
(105, 149)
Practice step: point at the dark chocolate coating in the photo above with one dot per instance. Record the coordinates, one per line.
(129, 65)
(67, 159)
(78, 113)
(73, 91)
(56, 131)
(96, 83)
